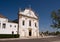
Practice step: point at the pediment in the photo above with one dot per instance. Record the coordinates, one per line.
(29, 12)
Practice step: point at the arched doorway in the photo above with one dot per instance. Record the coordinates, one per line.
(30, 32)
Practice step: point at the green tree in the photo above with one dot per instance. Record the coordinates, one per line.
(55, 15)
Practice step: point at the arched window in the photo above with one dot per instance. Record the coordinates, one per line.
(23, 22)
(10, 25)
(29, 22)
(35, 25)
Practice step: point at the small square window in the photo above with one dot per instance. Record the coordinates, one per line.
(15, 25)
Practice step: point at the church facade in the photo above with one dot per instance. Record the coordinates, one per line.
(27, 26)
(28, 23)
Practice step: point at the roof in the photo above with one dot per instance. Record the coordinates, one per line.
(1, 16)
(15, 21)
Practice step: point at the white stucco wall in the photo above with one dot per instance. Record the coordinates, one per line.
(26, 26)
(7, 29)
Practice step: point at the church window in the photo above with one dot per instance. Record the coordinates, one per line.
(29, 22)
(4, 25)
(23, 22)
(35, 25)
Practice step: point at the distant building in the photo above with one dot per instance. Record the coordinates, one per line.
(27, 24)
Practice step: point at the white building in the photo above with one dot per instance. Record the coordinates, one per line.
(28, 25)
(7, 27)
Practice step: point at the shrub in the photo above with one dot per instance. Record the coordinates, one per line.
(9, 35)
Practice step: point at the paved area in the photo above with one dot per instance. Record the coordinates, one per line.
(47, 39)
(55, 41)
(26, 38)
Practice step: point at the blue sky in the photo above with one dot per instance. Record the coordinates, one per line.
(43, 8)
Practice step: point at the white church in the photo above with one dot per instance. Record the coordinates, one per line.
(27, 26)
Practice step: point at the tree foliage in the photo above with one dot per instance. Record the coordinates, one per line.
(55, 15)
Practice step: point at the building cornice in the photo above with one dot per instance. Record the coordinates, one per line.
(20, 15)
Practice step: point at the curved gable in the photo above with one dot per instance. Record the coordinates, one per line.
(28, 12)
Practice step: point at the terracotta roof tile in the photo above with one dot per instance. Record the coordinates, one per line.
(1, 16)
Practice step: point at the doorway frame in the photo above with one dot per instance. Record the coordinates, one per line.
(29, 30)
